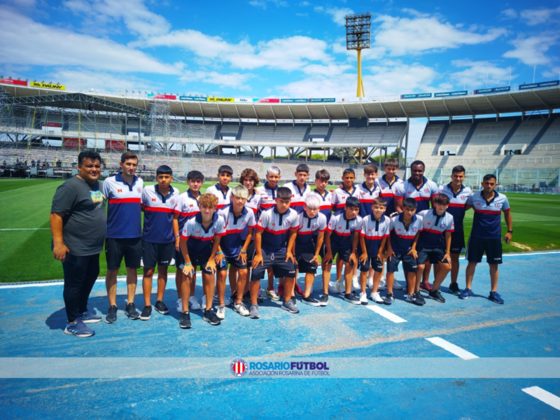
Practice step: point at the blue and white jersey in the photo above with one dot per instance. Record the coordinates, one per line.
(340, 195)
(326, 203)
(388, 192)
(224, 198)
(275, 227)
(457, 203)
(342, 230)
(158, 214)
(237, 229)
(268, 196)
(298, 195)
(423, 194)
(309, 229)
(366, 197)
(124, 216)
(187, 208)
(199, 239)
(401, 237)
(374, 231)
(486, 222)
(254, 202)
(434, 228)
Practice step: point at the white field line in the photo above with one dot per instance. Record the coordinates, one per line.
(9, 230)
(386, 314)
(452, 348)
(545, 396)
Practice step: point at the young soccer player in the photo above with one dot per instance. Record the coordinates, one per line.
(186, 209)
(240, 223)
(158, 241)
(486, 234)
(200, 240)
(308, 247)
(376, 228)
(274, 242)
(401, 246)
(343, 233)
(221, 189)
(458, 195)
(434, 243)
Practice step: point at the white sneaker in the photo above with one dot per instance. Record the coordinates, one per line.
(221, 312)
(397, 285)
(180, 305)
(369, 283)
(376, 297)
(382, 283)
(203, 304)
(261, 295)
(193, 303)
(363, 298)
(355, 283)
(340, 287)
(241, 309)
(227, 301)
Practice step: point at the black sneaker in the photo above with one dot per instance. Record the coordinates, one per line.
(185, 320)
(293, 299)
(388, 299)
(161, 308)
(324, 301)
(311, 301)
(436, 295)
(233, 299)
(131, 311)
(146, 313)
(419, 299)
(211, 317)
(454, 288)
(349, 297)
(111, 315)
(247, 297)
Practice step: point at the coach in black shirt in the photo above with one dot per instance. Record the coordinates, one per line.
(78, 226)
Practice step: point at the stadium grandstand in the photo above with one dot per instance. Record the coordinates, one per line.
(513, 133)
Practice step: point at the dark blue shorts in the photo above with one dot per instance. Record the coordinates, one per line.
(235, 263)
(374, 263)
(280, 267)
(478, 246)
(342, 253)
(409, 263)
(303, 258)
(157, 254)
(457, 243)
(199, 261)
(434, 255)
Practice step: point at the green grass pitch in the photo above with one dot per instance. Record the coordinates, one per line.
(25, 238)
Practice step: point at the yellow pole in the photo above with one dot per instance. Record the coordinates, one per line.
(360, 92)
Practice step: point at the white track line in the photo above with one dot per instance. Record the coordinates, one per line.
(55, 283)
(452, 348)
(386, 314)
(545, 396)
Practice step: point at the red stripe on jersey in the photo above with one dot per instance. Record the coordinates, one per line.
(372, 237)
(267, 205)
(125, 200)
(275, 232)
(406, 236)
(387, 194)
(309, 232)
(433, 231)
(159, 209)
(343, 233)
(326, 207)
(202, 238)
(457, 205)
(235, 230)
(487, 211)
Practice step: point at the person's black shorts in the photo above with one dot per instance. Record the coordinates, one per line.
(116, 249)
(478, 246)
(434, 255)
(304, 257)
(157, 254)
(457, 243)
(374, 263)
(342, 253)
(409, 263)
(199, 261)
(234, 262)
(280, 267)
(250, 253)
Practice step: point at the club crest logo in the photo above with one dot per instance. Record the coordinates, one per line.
(139, 189)
(238, 368)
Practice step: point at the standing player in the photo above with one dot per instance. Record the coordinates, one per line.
(221, 189)
(458, 195)
(486, 234)
(158, 240)
(124, 233)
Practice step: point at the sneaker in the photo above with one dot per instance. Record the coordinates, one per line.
(363, 298)
(382, 283)
(161, 308)
(349, 297)
(271, 293)
(180, 305)
(90, 318)
(254, 312)
(203, 304)
(311, 301)
(193, 304)
(495, 297)
(465, 294)
(410, 298)
(216, 299)
(324, 301)
(241, 309)
(436, 295)
(185, 321)
(79, 329)
(290, 307)
(397, 285)
(419, 299)
(221, 312)
(293, 299)
(210, 317)
(260, 296)
(280, 291)
(376, 297)
(297, 290)
(111, 315)
(369, 282)
(131, 311)
(232, 299)
(454, 288)
(146, 313)
(340, 287)
(356, 283)
(427, 287)
(389, 299)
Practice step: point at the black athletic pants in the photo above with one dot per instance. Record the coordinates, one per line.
(80, 274)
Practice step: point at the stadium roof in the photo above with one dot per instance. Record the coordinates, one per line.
(545, 99)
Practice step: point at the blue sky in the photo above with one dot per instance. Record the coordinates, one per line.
(278, 48)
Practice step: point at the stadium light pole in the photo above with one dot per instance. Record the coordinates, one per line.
(358, 30)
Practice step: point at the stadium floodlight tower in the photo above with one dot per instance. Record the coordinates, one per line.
(358, 30)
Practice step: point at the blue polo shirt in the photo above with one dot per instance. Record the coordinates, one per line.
(486, 221)
(275, 227)
(401, 237)
(124, 215)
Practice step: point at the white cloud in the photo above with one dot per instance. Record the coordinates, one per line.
(233, 80)
(338, 14)
(87, 79)
(539, 16)
(264, 3)
(508, 14)
(328, 70)
(27, 42)
(478, 74)
(531, 51)
(305, 3)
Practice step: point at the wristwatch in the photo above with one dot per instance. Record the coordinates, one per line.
(510, 231)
